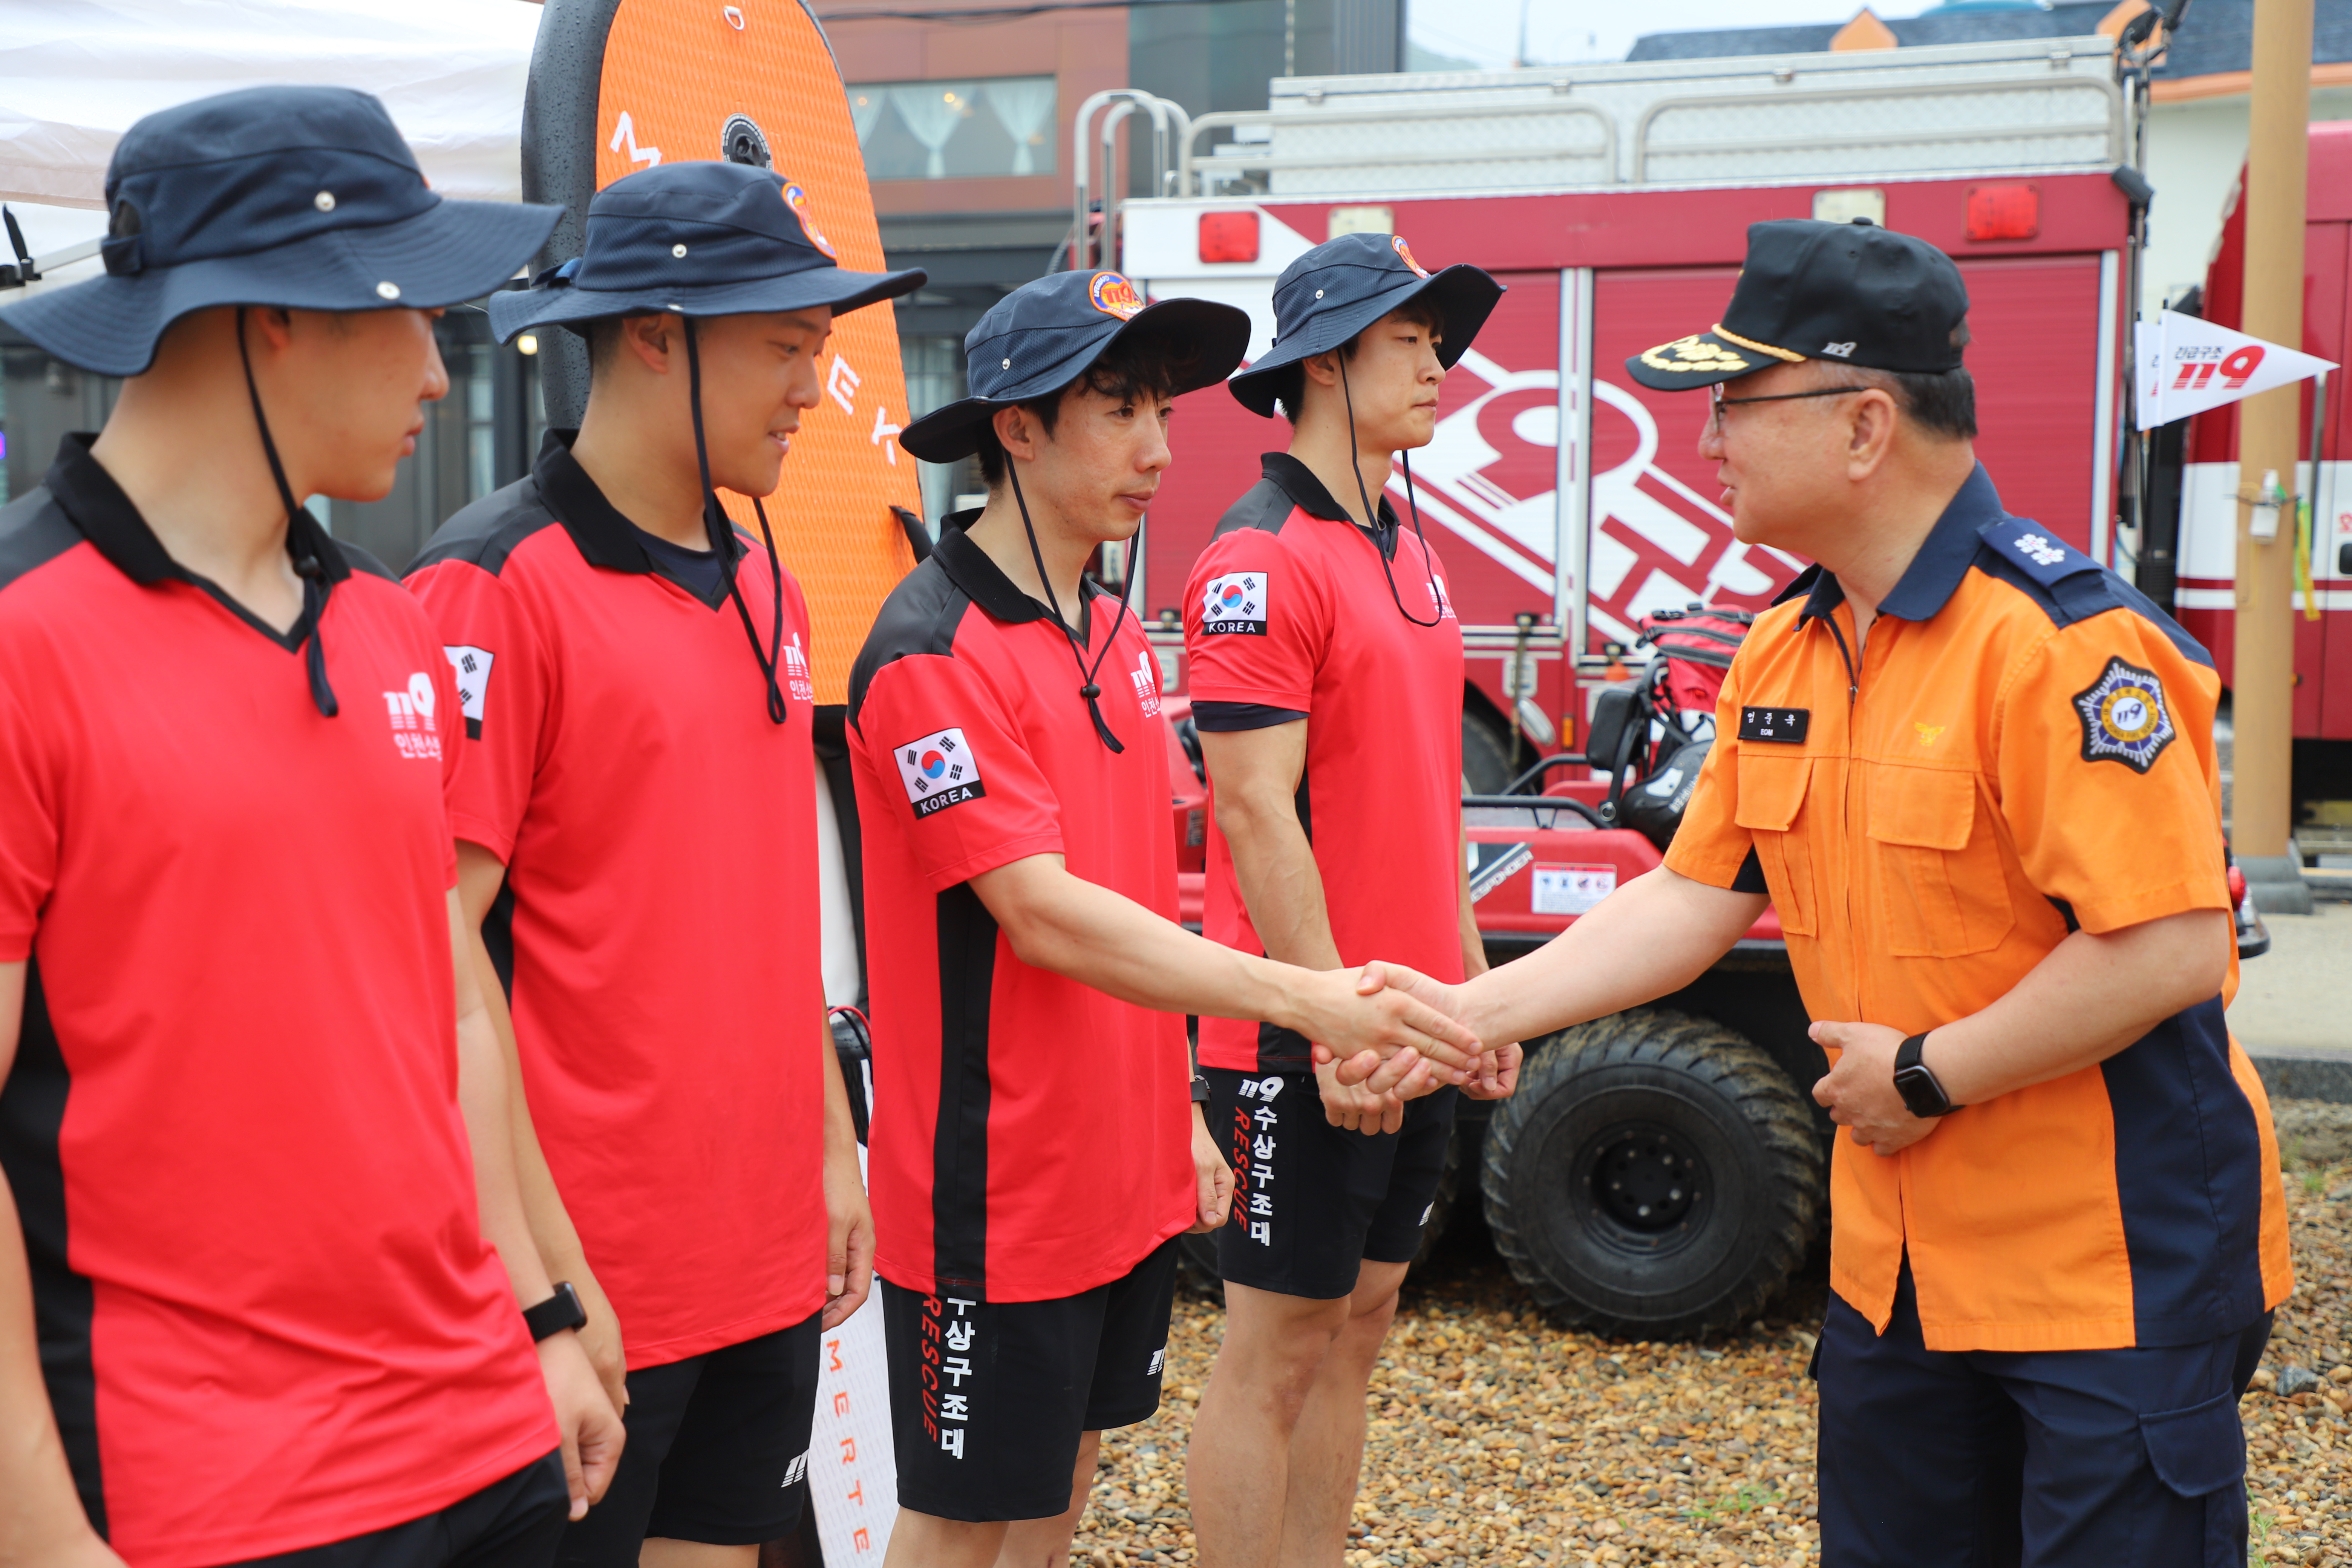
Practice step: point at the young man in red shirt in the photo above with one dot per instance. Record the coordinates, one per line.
(255, 1309)
(636, 826)
(1326, 683)
(1034, 1150)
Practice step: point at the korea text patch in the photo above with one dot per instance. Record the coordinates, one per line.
(2124, 717)
(938, 771)
(1235, 604)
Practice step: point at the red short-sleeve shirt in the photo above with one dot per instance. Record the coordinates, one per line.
(659, 836)
(1293, 614)
(268, 1319)
(1032, 1136)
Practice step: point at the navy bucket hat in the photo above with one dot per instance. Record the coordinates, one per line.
(1045, 334)
(1344, 285)
(695, 239)
(288, 197)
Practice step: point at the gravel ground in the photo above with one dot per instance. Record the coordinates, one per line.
(1498, 1439)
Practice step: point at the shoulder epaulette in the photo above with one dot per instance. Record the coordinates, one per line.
(2029, 547)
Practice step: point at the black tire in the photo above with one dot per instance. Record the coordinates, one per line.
(1486, 755)
(1656, 1176)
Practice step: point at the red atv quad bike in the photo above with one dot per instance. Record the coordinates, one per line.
(1662, 1172)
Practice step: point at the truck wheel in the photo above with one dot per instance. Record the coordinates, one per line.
(1656, 1176)
(1485, 755)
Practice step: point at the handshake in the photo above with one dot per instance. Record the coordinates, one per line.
(1384, 1033)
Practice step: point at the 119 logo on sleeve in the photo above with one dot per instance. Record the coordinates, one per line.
(938, 771)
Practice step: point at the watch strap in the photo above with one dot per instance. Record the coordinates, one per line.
(560, 1311)
(1923, 1093)
(1200, 1089)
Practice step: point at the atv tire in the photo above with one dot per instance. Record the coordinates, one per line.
(1656, 1176)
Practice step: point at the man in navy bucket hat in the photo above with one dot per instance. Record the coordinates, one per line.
(254, 1123)
(1319, 633)
(1036, 1152)
(637, 841)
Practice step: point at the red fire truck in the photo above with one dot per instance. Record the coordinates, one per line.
(2206, 453)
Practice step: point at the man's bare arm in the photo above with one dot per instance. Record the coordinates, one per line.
(1255, 774)
(2091, 997)
(1656, 934)
(481, 875)
(1063, 923)
(41, 1517)
(589, 1426)
(849, 1218)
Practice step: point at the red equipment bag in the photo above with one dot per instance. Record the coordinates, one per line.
(1695, 648)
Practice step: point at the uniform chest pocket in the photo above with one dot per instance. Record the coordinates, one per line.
(1940, 889)
(1772, 786)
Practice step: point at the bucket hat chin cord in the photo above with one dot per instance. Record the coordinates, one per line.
(1088, 688)
(714, 519)
(307, 565)
(1372, 518)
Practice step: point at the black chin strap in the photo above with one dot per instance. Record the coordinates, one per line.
(1089, 690)
(307, 565)
(1372, 518)
(722, 540)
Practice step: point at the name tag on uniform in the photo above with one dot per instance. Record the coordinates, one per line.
(1780, 726)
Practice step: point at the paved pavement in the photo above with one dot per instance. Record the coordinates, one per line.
(2297, 997)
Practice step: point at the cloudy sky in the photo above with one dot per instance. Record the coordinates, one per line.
(1486, 32)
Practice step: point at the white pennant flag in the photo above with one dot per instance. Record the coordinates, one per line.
(2184, 365)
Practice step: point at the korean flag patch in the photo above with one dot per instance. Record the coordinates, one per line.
(472, 666)
(1235, 603)
(938, 771)
(2124, 717)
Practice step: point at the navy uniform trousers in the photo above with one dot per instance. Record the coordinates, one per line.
(2117, 1458)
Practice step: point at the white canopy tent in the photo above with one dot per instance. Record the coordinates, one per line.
(75, 74)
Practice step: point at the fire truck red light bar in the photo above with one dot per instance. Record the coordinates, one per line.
(2004, 211)
(1229, 236)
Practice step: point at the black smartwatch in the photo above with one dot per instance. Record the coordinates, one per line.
(560, 1311)
(1915, 1082)
(1200, 1089)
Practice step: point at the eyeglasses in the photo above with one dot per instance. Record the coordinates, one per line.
(1715, 425)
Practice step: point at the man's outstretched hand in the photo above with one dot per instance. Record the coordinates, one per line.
(1492, 1075)
(1352, 1015)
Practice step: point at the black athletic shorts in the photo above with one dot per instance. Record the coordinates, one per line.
(987, 1399)
(718, 1447)
(1312, 1201)
(512, 1523)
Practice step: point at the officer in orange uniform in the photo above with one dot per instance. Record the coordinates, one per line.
(1975, 772)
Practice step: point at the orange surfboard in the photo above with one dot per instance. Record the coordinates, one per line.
(620, 85)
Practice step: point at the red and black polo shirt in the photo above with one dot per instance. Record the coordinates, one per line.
(1032, 1136)
(1297, 611)
(658, 927)
(267, 1317)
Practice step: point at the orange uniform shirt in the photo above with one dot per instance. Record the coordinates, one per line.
(2023, 747)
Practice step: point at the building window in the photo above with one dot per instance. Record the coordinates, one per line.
(955, 130)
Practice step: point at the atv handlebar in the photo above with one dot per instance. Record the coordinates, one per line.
(1533, 803)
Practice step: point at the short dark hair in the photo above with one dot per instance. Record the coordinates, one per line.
(1422, 312)
(604, 335)
(1147, 367)
(1941, 401)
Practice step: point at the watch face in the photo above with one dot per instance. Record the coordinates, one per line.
(1921, 1092)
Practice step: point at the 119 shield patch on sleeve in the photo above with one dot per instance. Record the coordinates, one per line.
(2123, 716)
(938, 771)
(1234, 603)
